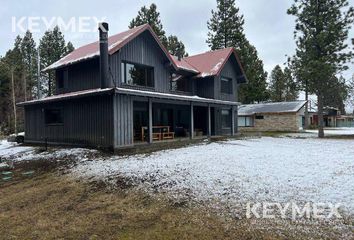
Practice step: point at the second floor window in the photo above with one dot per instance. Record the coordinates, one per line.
(226, 85)
(137, 74)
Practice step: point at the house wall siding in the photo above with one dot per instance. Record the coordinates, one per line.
(143, 50)
(81, 76)
(123, 120)
(204, 87)
(87, 121)
(228, 71)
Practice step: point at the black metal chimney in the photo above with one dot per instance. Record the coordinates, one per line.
(104, 71)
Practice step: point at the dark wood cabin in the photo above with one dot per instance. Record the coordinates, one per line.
(129, 90)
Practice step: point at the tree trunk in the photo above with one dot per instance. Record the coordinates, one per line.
(25, 84)
(320, 115)
(306, 110)
(14, 99)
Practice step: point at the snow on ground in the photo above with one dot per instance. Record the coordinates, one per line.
(15, 152)
(237, 171)
(232, 172)
(335, 131)
(8, 149)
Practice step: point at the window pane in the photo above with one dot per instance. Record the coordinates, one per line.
(53, 116)
(123, 72)
(241, 121)
(139, 75)
(226, 85)
(226, 119)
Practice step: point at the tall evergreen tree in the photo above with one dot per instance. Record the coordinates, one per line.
(69, 48)
(226, 30)
(29, 55)
(277, 86)
(52, 47)
(321, 33)
(176, 47)
(13, 67)
(337, 92)
(291, 89)
(226, 26)
(152, 17)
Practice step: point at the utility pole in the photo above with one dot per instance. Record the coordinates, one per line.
(14, 98)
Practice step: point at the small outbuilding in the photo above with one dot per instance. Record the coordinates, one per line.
(278, 116)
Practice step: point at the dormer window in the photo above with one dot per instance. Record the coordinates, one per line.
(137, 74)
(226, 85)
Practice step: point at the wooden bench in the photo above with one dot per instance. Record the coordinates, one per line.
(162, 133)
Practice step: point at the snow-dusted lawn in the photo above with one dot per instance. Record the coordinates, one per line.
(335, 131)
(237, 171)
(229, 173)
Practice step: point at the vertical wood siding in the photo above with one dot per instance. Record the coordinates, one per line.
(229, 71)
(123, 120)
(87, 121)
(205, 87)
(144, 50)
(81, 76)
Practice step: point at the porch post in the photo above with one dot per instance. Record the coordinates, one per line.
(232, 121)
(191, 134)
(150, 120)
(209, 121)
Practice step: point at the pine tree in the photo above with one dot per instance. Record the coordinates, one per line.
(29, 54)
(277, 86)
(152, 17)
(291, 89)
(69, 48)
(52, 47)
(321, 33)
(226, 26)
(13, 68)
(226, 30)
(337, 92)
(176, 47)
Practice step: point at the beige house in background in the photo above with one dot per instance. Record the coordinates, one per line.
(279, 116)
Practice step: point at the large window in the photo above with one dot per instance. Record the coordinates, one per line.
(137, 74)
(180, 84)
(226, 85)
(53, 116)
(245, 121)
(225, 118)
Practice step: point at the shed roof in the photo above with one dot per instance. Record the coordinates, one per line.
(277, 107)
(135, 92)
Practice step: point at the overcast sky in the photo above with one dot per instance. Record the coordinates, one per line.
(267, 25)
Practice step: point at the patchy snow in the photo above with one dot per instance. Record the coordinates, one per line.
(238, 171)
(217, 66)
(9, 149)
(14, 152)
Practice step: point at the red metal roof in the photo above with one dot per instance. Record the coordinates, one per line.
(210, 63)
(115, 43)
(204, 64)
